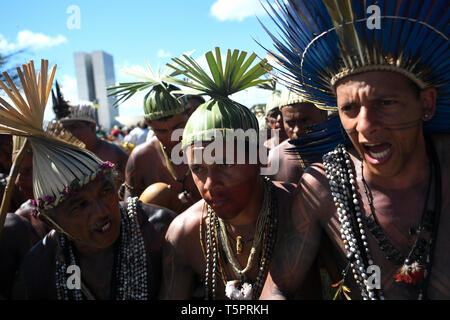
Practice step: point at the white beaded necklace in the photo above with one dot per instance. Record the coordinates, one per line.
(131, 266)
(338, 167)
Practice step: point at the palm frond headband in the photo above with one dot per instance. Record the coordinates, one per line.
(220, 116)
(159, 102)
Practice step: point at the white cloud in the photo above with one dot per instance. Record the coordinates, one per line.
(31, 40)
(236, 9)
(163, 54)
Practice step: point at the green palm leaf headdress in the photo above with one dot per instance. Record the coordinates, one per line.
(220, 115)
(160, 101)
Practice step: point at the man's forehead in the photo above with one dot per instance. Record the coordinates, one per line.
(169, 123)
(375, 82)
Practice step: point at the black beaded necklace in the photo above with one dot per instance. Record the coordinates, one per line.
(417, 264)
(390, 251)
(340, 174)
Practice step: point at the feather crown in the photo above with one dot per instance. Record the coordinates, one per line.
(320, 42)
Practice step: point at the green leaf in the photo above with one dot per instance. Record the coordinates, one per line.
(237, 75)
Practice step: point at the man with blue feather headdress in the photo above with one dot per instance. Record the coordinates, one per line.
(381, 198)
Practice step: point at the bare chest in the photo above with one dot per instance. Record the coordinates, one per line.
(398, 214)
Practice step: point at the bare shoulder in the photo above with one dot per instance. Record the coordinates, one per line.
(186, 225)
(315, 179)
(159, 217)
(145, 149)
(313, 193)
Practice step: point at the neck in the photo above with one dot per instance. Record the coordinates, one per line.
(91, 253)
(248, 216)
(414, 171)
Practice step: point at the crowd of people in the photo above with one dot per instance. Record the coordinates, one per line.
(338, 194)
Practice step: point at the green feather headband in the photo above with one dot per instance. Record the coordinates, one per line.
(220, 116)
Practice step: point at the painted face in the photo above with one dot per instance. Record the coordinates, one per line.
(163, 129)
(24, 179)
(227, 188)
(382, 115)
(297, 117)
(92, 216)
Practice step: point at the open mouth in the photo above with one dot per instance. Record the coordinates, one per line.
(104, 227)
(378, 153)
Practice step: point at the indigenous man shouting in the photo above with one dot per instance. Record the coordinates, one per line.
(382, 200)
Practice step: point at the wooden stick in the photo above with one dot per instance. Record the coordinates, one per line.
(10, 185)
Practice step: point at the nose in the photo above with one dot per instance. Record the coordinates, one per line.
(213, 182)
(99, 208)
(368, 122)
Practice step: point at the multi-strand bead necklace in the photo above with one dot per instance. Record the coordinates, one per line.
(342, 181)
(130, 265)
(217, 243)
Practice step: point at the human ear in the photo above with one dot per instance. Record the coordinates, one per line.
(428, 102)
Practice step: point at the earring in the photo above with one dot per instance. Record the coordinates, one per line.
(426, 115)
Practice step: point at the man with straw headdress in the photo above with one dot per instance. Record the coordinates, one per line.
(298, 117)
(80, 121)
(151, 172)
(227, 239)
(113, 247)
(382, 199)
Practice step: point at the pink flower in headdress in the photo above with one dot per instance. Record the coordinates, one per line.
(106, 165)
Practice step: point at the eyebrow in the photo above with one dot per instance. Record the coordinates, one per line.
(376, 97)
(73, 201)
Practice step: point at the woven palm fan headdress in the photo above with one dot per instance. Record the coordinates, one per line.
(321, 42)
(160, 101)
(61, 165)
(219, 116)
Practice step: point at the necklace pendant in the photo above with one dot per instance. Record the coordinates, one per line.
(183, 196)
(238, 290)
(410, 273)
(238, 244)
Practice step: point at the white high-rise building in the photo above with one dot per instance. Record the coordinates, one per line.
(95, 72)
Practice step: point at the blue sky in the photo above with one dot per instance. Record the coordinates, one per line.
(132, 31)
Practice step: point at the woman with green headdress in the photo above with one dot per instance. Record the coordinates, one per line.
(227, 238)
(152, 173)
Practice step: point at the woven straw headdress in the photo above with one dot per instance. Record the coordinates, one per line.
(60, 165)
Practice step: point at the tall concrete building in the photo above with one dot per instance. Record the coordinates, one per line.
(95, 72)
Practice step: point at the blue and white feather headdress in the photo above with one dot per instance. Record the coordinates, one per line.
(320, 42)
